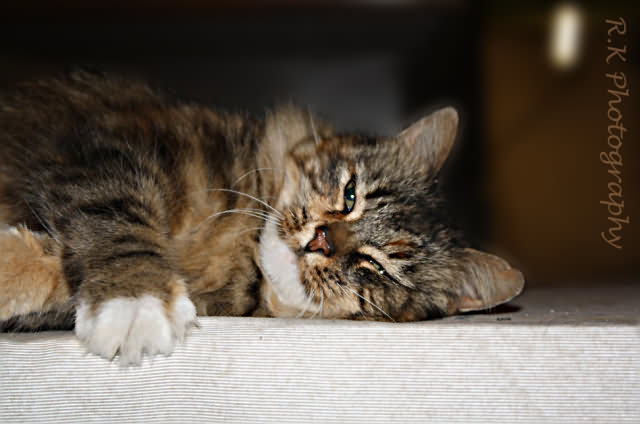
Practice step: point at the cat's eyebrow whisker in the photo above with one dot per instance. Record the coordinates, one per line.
(252, 171)
(370, 303)
(247, 195)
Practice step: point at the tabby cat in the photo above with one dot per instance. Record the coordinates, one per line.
(126, 213)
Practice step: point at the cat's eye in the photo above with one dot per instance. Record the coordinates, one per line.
(349, 196)
(377, 266)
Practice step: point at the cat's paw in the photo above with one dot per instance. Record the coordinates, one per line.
(133, 327)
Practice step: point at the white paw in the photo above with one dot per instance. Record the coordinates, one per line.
(132, 327)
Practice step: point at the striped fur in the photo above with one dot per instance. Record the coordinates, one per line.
(126, 191)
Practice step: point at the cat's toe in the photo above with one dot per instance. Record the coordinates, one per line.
(133, 327)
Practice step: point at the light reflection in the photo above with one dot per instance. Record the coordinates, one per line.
(567, 28)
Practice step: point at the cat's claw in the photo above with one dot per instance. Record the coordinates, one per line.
(133, 327)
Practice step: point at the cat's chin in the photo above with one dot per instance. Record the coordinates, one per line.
(280, 265)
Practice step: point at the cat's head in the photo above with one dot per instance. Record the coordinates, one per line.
(363, 232)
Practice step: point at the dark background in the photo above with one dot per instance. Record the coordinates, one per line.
(525, 179)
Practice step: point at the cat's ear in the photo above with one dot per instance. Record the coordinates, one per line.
(431, 138)
(487, 281)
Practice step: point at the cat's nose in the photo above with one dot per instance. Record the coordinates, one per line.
(320, 242)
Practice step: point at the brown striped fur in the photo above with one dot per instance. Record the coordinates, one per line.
(120, 191)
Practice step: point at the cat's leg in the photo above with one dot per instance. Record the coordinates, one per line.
(31, 279)
(129, 299)
(116, 256)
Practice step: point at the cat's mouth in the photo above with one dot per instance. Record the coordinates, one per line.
(280, 265)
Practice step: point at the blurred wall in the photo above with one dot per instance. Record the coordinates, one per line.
(370, 66)
(525, 179)
(545, 129)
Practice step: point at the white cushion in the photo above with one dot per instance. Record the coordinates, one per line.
(548, 362)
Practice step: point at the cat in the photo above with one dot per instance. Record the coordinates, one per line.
(127, 212)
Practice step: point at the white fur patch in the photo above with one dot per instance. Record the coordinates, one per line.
(9, 230)
(132, 327)
(280, 264)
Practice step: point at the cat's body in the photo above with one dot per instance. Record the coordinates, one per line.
(129, 211)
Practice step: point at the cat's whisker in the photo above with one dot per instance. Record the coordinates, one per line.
(44, 225)
(306, 308)
(248, 230)
(252, 171)
(321, 301)
(239, 193)
(313, 127)
(315, 314)
(370, 303)
(282, 141)
(312, 295)
(264, 216)
(247, 195)
(267, 219)
(345, 293)
(261, 212)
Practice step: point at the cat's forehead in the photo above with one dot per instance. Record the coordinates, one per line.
(369, 155)
(390, 181)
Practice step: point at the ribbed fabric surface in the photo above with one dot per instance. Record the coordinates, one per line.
(280, 371)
